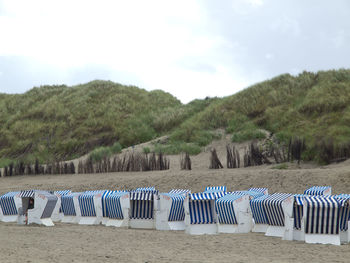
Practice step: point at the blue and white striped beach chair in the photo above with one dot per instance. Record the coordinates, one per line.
(143, 204)
(44, 204)
(70, 208)
(117, 205)
(10, 203)
(326, 219)
(90, 203)
(233, 212)
(171, 213)
(279, 214)
(200, 214)
(57, 213)
(260, 223)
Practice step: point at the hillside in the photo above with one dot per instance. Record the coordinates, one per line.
(314, 106)
(60, 122)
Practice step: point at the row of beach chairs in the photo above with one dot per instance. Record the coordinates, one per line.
(316, 216)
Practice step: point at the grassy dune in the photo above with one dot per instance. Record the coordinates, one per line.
(60, 122)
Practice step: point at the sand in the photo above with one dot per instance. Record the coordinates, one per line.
(74, 243)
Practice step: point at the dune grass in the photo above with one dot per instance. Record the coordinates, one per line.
(59, 122)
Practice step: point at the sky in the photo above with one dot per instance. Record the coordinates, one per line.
(190, 48)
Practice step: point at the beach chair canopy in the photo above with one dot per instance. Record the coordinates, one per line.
(177, 210)
(62, 192)
(179, 191)
(67, 204)
(27, 193)
(298, 210)
(259, 190)
(7, 203)
(273, 208)
(225, 209)
(146, 193)
(253, 194)
(258, 210)
(216, 188)
(87, 204)
(316, 190)
(207, 195)
(201, 207)
(142, 203)
(113, 205)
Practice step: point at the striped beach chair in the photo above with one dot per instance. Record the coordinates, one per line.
(143, 207)
(200, 214)
(57, 213)
(171, 212)
(70, 208)
(260, 223)
(233, 212)
(298, 224)
(279, 214)
(117, 205)
(10, 203)
(326, 219)
(44, 204)
(90, 203)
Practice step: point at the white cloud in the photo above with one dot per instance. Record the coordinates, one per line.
(269, 56)
(255, 3)
(339, 39)
(286, 25)
(146, 38)
(190, 48)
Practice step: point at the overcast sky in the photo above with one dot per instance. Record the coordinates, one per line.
(189, 48)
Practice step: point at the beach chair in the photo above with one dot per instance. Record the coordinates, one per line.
(90, 204)
(260, 223)
(279, 214)
(71, 209)
(44, 204)
(10, 203)
(117, 206)
(143, 207)
(57, 213)
(200, 214)
(326, 219)
(234, 214)
(171, 213)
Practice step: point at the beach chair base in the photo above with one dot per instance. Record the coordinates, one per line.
(326, 239)
(87, 220)
(8, 219)
(117, 223)
(275, 231)
(202, 229)
(260, 228)
(142, 223)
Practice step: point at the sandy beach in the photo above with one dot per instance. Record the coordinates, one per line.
(75, 243)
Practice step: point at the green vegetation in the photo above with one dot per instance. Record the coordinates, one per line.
(59, 122)
(146, 150)
(102, 152)
(52, 123)
(177, 147)
(243, 129)
(282, 166)
(314, 106)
